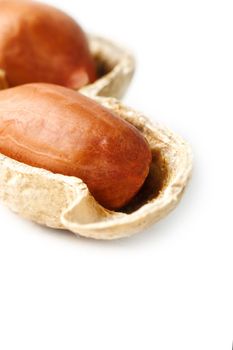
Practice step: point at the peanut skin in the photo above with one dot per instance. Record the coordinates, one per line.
(39, 43)
(58, 129)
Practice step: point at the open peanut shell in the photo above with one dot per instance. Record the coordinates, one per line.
(65, 202)
(115, 68)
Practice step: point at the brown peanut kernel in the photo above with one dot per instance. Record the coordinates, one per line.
(39, 43)
(55, 128)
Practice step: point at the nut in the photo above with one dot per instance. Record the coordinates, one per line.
(39, 43)
(65, 202)
(115, 67)
(3, 82)
(55, 128)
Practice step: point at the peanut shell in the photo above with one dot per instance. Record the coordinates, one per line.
(64, 202)
(119, 64)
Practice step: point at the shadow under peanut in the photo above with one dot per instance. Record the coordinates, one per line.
(154, 183)
(103, 67)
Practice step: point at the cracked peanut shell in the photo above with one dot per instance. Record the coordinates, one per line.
(64, 202)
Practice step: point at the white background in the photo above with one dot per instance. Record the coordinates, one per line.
(169, 287)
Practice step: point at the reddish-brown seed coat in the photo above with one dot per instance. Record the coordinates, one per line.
(55, 128)
(39, 43)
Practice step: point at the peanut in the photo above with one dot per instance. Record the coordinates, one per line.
(55, 128)
(39, 43)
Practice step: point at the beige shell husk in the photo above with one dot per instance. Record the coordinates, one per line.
(116, 62)
(64, 202)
